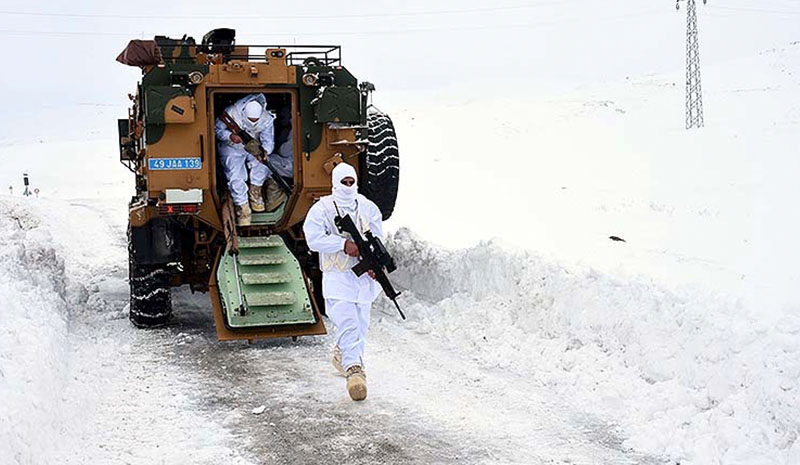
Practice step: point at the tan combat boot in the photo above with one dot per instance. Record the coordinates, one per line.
(256, 199)
(336, 361)
(275, 196)
(243, 215)
(356, 382)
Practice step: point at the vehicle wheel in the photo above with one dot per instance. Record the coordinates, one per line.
(382, 162)
(151, 297)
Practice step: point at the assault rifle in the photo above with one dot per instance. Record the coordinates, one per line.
(252, 146)
(374, 256)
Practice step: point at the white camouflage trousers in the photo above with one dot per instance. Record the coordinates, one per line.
(283, 159)
(352, 323)
(236, 161)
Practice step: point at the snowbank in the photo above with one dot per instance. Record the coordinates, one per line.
(34, 351)
(77, 383)
(687, 375)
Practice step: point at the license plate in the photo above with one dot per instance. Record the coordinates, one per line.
(175, 164)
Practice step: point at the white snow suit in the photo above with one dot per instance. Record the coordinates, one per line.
(235, 159)
(348, 298)
(283, 158)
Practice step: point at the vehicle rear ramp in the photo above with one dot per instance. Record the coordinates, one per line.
(262, 292)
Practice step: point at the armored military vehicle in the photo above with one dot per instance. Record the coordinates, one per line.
(262, 279)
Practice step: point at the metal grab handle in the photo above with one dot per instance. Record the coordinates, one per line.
(242, 309)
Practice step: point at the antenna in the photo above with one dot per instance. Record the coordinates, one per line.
(694, 91)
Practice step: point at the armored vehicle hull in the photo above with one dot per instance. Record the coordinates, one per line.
(262, 279)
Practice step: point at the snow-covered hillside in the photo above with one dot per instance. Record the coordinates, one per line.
(548, 344)
(560, 172)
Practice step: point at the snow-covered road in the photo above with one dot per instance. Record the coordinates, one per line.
(175, 395)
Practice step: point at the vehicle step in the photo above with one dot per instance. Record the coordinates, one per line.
(265, 278)
(260, 241)
(266, 299)
(273, 286)
(262, 259)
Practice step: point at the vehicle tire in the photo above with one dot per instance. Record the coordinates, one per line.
(151, 296)
(382, 162)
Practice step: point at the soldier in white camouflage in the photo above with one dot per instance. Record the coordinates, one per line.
(348, 298)
(251, 115)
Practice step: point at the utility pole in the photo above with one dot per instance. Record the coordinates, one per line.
(694, 91)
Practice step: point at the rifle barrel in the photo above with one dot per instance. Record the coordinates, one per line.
(398, 309)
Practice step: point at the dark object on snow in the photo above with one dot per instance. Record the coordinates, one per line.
(374, 256)
(25, 180)
(617, 239)
(140, 53)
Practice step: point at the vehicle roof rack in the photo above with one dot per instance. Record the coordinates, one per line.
(325, 55)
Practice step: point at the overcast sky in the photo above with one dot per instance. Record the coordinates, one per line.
(62, 53)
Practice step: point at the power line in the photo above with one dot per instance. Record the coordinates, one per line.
(754, 10)
(344, 33)
(261, 18)
(70, 33)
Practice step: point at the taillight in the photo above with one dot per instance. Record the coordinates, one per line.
(179, 209)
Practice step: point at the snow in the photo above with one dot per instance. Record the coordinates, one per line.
(33, 333)
(690, 376)
(531, 338)
(78, 384)
(713, 208)
(259, 410)
(685, 336)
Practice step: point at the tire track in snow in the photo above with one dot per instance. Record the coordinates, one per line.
(176, 394)
(308, 416)
(136, 401)
(426, 404)
(527, 423)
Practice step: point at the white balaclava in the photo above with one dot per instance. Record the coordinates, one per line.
(345, 196)
(253, 109)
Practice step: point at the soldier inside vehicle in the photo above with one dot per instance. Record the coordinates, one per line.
(254, 143)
